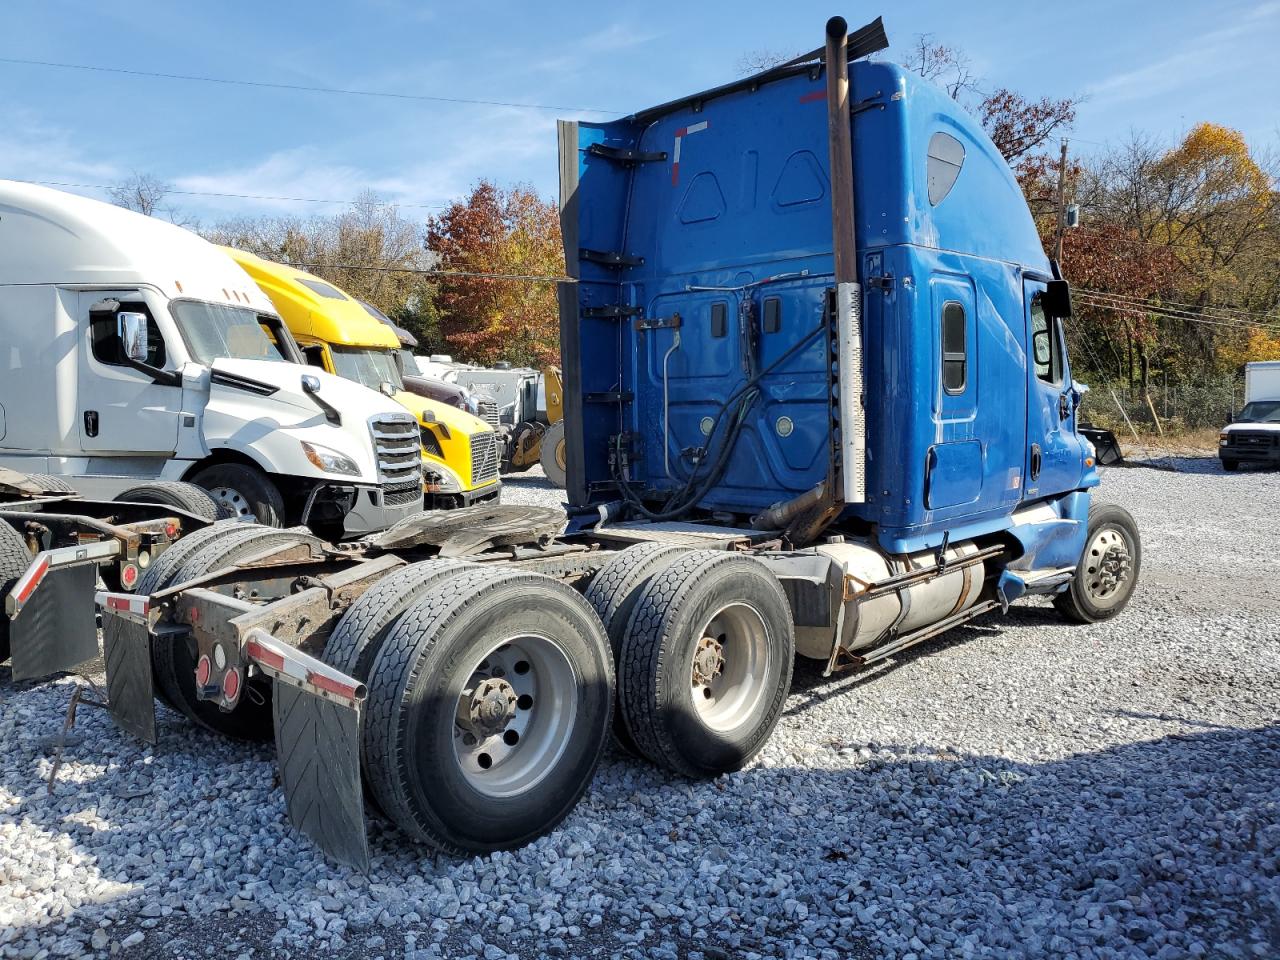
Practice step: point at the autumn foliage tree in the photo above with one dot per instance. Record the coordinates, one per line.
(369, 250)
(505, 233)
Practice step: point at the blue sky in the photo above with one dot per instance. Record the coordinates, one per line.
(1157, 67)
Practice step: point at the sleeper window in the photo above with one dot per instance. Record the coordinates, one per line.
(955, 358)
(945, 158)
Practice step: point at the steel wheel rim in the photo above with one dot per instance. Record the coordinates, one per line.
(730, 665)
(233, 501)
(515, 715)
(1108, 567)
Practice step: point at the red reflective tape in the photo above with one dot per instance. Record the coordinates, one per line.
(268, 658)
(675, 174)
(682, 131)
(814, 95)
(139, 605)
(32, 580)
(347, 690)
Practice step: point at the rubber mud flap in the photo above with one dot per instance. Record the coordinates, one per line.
(318, 752)
(130, 685)
(56, 630)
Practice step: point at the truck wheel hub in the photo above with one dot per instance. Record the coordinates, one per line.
(1107, 563)
(708, 662)
(491, 706)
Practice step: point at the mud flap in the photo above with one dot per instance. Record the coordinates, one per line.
(130, 687)
(318, 750)
(55, 631)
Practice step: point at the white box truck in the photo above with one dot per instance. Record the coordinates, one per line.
(133, 351)
(1253, 436)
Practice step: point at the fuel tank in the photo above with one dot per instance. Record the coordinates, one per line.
(867, 621)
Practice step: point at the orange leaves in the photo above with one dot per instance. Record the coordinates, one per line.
(511, 231)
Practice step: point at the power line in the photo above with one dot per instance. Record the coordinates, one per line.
(342, 91)
(233, 196)
(527, 277)
(1141, 304)
(1230, 310)
(1189, 318)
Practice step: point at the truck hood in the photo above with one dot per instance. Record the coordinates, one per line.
(1260, 427)
(284, 380)
(424, 411)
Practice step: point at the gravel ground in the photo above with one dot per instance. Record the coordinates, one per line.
(1019, 788)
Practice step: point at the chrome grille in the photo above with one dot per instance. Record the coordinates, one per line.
(489, 411)
(484, 457)
(398, 449)
(1253, 438)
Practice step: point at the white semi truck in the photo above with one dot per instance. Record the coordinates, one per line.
(1253, 436)
(133, 352)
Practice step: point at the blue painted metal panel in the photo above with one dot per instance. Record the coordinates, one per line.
(738, 214)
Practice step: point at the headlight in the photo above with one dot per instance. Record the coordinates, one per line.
(1223, 438)
(329, 460)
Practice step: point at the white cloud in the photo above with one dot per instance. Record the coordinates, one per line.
(31, 149)
(416, 165)
(1208, 54)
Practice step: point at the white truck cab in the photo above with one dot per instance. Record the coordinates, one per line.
(1253, 436)
(133, 350)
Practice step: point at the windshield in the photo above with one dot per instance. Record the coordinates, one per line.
(366, 366)
(1261, 411)
(214, 330)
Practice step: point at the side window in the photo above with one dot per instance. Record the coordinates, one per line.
(955, 356)
(1046, 345)
(105, 340)
(314, 355)
(942, 169)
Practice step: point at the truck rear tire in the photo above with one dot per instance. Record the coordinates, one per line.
(359, 635)
(53, 485)
(14, 560)
(1108, 570)
(489, 704)
(706, 663)
(356, 640)
(613, 593)
(174, 663)
(185, 496)
(243, 492)
(552, 457)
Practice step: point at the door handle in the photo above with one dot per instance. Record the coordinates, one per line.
(1036, 461)
(91, 423)
(1064, 407)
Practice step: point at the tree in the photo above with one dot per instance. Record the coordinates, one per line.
(947, 67)
(499, 232)
(369, 250)
(146, 194)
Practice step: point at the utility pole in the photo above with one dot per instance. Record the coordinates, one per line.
(1062, 202)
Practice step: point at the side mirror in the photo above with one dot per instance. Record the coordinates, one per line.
(1057, 299)
(132, 331)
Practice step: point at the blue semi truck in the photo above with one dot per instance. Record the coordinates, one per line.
(818, 403)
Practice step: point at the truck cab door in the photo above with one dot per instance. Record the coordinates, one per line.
(1054, 458)
(122, 410)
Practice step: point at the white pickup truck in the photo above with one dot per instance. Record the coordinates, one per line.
(1253, 436)
(133, 351)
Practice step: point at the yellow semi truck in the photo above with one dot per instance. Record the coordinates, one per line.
(461, 453)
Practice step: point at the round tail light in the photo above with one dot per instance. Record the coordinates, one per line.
(203, 670)
(231, 685)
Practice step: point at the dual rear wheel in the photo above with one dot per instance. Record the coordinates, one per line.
(705, 647)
